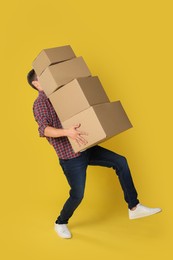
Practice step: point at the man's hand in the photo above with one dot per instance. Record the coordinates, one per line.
(71, 132)
(76, 135)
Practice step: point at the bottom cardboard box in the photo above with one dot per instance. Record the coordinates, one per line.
(101, 122)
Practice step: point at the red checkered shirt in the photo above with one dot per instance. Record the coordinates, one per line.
(45, 115)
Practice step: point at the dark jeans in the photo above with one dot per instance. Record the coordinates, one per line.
(75, 172)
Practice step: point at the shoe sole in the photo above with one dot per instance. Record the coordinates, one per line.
(147, 215)
(63, 236)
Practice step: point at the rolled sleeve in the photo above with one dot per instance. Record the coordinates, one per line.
(42, 116)
(42, 126)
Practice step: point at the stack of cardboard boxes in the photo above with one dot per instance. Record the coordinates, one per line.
(78, 97)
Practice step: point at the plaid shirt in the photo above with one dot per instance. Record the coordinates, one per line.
(45, 115)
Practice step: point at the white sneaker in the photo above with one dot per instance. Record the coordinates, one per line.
(142, 211)
(62, 230)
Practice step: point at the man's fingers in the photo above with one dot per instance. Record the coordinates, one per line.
(82, 132)
(76, 126)
(79, 132)
(80, 140)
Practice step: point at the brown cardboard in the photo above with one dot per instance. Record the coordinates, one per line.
(62, 73)
(51, 56)
(101, 122)
(77, 95)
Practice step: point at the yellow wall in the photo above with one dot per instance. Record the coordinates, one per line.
(128, 44)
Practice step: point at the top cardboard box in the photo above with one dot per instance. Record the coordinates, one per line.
(62, 73)
(51, 56)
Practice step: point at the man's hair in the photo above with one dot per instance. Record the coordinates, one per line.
(31, 77)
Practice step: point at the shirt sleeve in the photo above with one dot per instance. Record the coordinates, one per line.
(42, 116)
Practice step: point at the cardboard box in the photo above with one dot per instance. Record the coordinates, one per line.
(78, 95)
(51, 56)
(62, 73)
(101, 122)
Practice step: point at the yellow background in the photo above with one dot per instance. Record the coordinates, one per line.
(128, 44)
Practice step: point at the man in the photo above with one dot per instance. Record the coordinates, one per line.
(74, 165)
